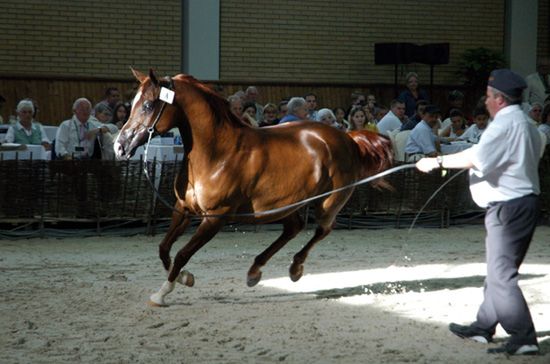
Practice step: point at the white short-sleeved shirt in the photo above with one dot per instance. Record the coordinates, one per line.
(421, 140)
(472, 134)
(506, 159)
(388, 123)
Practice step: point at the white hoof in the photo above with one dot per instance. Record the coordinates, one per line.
(156, 300)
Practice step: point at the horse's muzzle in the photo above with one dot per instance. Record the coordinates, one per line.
(127, 142)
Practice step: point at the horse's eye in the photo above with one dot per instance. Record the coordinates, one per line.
(147, 106)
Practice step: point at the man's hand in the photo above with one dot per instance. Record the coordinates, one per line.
(427, 164)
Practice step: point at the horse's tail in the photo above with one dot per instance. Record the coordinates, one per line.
(375, 153)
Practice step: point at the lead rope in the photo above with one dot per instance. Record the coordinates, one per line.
(272, 211)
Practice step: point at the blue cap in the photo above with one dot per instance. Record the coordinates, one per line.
(507, 82)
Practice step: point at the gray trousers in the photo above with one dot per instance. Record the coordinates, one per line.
(510, 226)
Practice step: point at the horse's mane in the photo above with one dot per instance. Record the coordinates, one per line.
(218, 104)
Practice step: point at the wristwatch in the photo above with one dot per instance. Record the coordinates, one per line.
(439, 160)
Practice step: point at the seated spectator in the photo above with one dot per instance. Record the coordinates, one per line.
(297, 110)
(269, 115)
(358, 98)
(456, 128)
(417, 117)
(251, 95)
(381, 111)
(393, 119)
(369, 115)
(474, 131)
(412, 94)
(455, 100)
(249, 113)
(25, 130)
(121, 113)
(112, 97)
(236, 104)
(538, 83)
(326, 116)
(422, 139)
(340, 115)
(544, 126)
(282, 109)
(311, 101)
(103, 113)
(371, 105)
(76, 136)
(535, 111)
(358, 120)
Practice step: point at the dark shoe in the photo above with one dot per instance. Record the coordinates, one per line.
(472, 333)
(515, 349)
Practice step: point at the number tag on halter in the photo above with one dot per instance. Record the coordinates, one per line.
(166, 95)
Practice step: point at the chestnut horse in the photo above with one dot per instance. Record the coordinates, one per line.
(233, 172)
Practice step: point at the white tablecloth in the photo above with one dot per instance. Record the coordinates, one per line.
(455, 147)
(35, 152)
(160, 152)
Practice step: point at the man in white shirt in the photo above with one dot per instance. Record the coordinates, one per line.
(76, 136)
(538, 83)
(422, 139)
(504, 179)
(393, 119)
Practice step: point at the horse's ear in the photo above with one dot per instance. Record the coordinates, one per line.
(138, 75)
(152, 77)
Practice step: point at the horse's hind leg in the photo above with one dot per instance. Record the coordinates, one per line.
(206, 231)
(292, 225)
(325, 215)
(296, 269)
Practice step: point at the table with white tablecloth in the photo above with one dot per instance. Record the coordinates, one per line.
(34, 152)
(160, 152)
(455, 147)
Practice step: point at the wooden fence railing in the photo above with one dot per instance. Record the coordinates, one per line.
(39, 192)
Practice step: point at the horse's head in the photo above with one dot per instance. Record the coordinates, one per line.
(149, 114)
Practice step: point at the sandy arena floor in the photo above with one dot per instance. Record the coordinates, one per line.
(367, 296)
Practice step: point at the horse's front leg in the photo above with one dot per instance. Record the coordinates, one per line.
(180, 221)
(206, 231)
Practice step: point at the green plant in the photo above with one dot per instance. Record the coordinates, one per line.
(475, 66)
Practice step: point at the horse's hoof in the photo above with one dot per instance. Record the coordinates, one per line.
(156, 301)
(296, 271)
(190, 280)
(154, 304)
(186, 278)
(253, 279)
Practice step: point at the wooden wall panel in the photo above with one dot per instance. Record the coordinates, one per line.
(55, 96)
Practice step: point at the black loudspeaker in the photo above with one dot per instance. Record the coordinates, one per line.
(405, 53)
(434, 53)
(394, 53)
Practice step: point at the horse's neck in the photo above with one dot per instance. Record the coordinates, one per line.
(208, 135)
